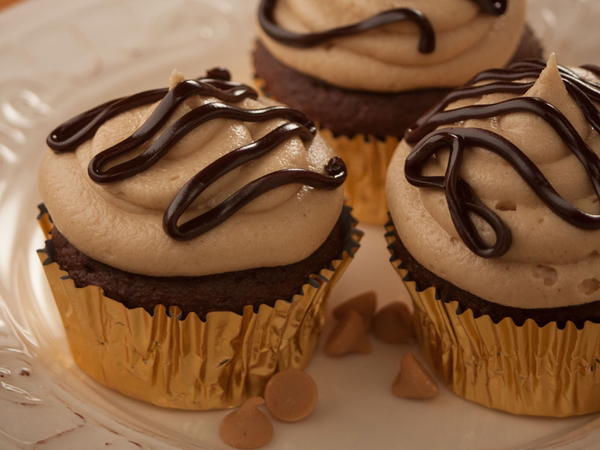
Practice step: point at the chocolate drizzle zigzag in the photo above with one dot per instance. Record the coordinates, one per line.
(462, 200)
(180, 129)
(68, 136)
(266, 18)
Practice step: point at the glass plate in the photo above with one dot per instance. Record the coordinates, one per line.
(58, 58)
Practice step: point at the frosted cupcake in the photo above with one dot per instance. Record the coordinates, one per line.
(194, 234)
(495, 230)
(365, 71)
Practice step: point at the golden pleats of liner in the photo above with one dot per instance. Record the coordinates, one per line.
(528, 369)
(188, 363)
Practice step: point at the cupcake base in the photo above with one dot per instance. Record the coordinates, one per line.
(522, 363)
(178, 360)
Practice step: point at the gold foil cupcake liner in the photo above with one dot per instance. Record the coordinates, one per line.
(188, 363)
(527, 369)
(367, 158)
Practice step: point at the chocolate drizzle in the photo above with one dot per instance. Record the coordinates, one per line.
(462, 200)
(68, 136)
(175, 133)
(75, 131)
(335, 169)
(266, 18)
(493, 7)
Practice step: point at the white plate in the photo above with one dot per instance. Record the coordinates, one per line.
(58, 58)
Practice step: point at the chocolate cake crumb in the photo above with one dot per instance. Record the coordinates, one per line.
(447, 292)
(220, 292)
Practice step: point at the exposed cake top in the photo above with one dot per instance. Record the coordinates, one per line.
(392, 45)
(496, 190)
(244, 184)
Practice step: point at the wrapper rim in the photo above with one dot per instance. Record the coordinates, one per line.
(470, 353)
(296, 336)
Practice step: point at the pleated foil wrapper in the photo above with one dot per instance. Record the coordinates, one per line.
(526, 369)
(367, 158)
(182, 362)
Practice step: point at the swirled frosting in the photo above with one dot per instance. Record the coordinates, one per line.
(550, 262)
(388, 59)
(121, 223)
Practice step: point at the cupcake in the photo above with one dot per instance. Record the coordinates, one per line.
(193, 234)
(495, 229)
(365, 71)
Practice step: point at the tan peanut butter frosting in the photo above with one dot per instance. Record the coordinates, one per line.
(550, 262)
(387, 58)
(120, 223)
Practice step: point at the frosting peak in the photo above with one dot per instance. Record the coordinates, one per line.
(208, 159)
(547, 147)
(550, 87)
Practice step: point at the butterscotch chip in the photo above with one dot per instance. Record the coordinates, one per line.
(364, 304)
(291, 395)
(247, 427)
(348, 336)
(413, 381)
(393, 323)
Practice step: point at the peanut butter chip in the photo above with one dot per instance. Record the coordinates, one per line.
(364, 304)
(393, 324)
(348, 336)
(412, 381)
(291, 395)
(247, 427)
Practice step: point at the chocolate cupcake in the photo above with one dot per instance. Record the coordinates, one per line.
(365, 72)
(193, 236)
(496, 232)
